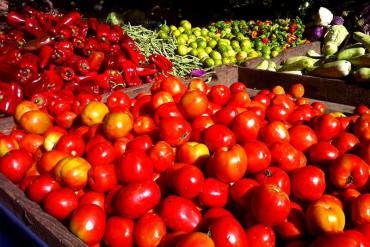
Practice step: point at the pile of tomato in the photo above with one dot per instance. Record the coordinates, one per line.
(197, 165)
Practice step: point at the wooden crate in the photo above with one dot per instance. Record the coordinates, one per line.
(55, 233)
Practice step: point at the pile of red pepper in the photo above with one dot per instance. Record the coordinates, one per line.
(43, 53)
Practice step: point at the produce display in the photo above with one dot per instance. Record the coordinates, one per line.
(196, 165)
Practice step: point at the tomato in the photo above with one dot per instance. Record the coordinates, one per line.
(237, 87)
(88, 223)
(37, 122)
(345, 142)
(285, 156)
(278, 90)
(246, 126)
(364, 229)
(323, 153)
(49, 160)
(302, 137)
(226, 231)
(119, 232)
(349, 171)
(297, 90)
(94, 113)
(326, 127)
(198, 84)
(308, 183)
(92, 197)
(71, 145)
(219, 94)
(360, 209)
(193, 103)
(337, 239)
(214, 193)
(136, 199)
(142, 106)
(110, 200)
(8, 143)
(118, 124)
(263, 99)
(325, 216)
(172, 239)
(144, 125)
(180, 214)
(193, 153)
(274, 131)
(120, 145)
(102, 178)
(72, 172)
(276, 176)
(187, 181)
(14, 165)
(118, 99)
(174, 86)
(242, 190)
(162, 156)
(218, 136)
(239, 99)
(196, 239)
(277, 113)
(270, 204)
(100, 154)
(60, 203)
(40, 187)
(174, 130)
(347, 195)
(134, 166)
(258, 156)
(225, 116)
(294, 226)
(166, 110)
(52, 136)
(362, 241)
(149, 230)
(24, 107)
(31, 143)
(361, 127)
(319, 106)
(198, 126)
(260, 236)
(160, 98)
(65, 119)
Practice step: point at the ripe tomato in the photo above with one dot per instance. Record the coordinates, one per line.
(134, 166)
(198, 126)
(337, 239)
(15, 164)
(246, 126)
(180, 214)
(31, 143)
(94, 113)
(60, 203)
(118, 99)
(258, 156)
(160, 98)
(274, 131)
(276, 176)
(361, 239)
(199, 85)
(142, 106)
(119, 232)
(110, 200)
(174, 130)
(88, 223)
(196, 239)
(218, 136)
(323, 153)
(237, 87)
(40, 187)
(212, 214)
(193, 153)
(219, 94)
(297, 90)
(52, 136)
(270, 205)
(260, 236)
(102, 178)
(174, 86)
(149, 230)
(187, 181)
(166, 110)
(345, 142)
(101, 153)
(242, 190)
(193, 103)
(23, 107)
(136, 199)
(37, 122)
(285, 156)
(239, 99)
(225, 116)
(162, 156)
(226, 231)
(72, 172)
(214, 193)
(49, 160)
(360, 209)
(308, 183)
(71, 145)
(326, 127)
(302, 137)
(92, 197)
(294, 226)
(364, 229)
(144, 125)
(118, 124)
(8, 143)
(361, 127)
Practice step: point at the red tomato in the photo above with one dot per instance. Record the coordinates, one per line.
(103, 178)
(285, 156)
(37, 122)
(361, 127)
(277, 113)
(214, 193)
(297, 90)
(326, 127)
(274, 131)
(218, 136)
(172, 239)
(199, 85)
(308, 183)
(246, 126)
(364, 229)
(160, 98)
(118, 99)
(276, 176)
(120, 145)
(302, 137)
(242, 190)
(118, 124)
(180, 214)
(8, 143)
(198, 126)
(193, 103)
(92, 197)
(345, 142)
(270, 205)
(119, 232)
(227, 232)
(228, 164)
(101, 153)
(187, 181)
(260, 236)
(219, 94)
(110, 200)
(134, 166)
(174, 86)
(31, 143)
(71, 144)
(212, 214)
(144, 125)
(149, 230)
(263, 99)
(72, 172)
(60, 203)
(294, 226)
(88, 223)
(349, 171)
(258, 155)
(225, 116)
(142, 142)
(362, 241)
(166, 110)
(337, 239)
(174, 130)
(196, 239)
(237, 87)
(239, 99)
(136, 199)
(360, 211)
(162, 156)
(323, 153)
(14, 165)
(49, 160)
(40, 187)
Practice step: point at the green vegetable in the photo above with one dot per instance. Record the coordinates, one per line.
(363, 38)
(263, 65)
(272, 66)
(361, 61)
(335, 35)
(336, 69)
(350, 53)
(301, 64)
(294, 59)
(330, 48)
(362, 75)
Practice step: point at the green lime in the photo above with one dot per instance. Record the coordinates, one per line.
(165, 28)
(181, 29)
(224, 41)
(208, 50)
(215, 55)
(197, 33)
(212, 34)
(186, 24)
(209, 62)
(231, 53)
(201, 43)
(266, 56)
(184, 36)
(194, 52)
(218, 36)
(204, 31)
(226, 60)
(176, 33)
(266, 49)
(212, 43)
(253, 54)
(246, 44)
(233, 60)
(202, 54)
(218, 62)
(173, 28)
(225, 54)
(182, 50)
(222, 48)
(235, 45)
(193, 44)
(258, 44)
(162, 34)
(241, 56)
(274, 53)
(181, 40)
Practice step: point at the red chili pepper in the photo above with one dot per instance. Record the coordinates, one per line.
(8, 72)
(115, 60)
(95, 60)
(103, 32)
(129, 73)
(92, 44)
(12, 56)
(40, 99)
(51, 80)
(33, 27)
(127, 40)
(85, 78)
(102, 80)
(114, 48)
(63, 50)
(293, 27)
(11, 94)
(133, 53)
(29, 61)
(93, 23)
(69, 19)
(65, 33)
(46, 22)
(31, 11)
(79, 64)
(161, 62)
(145, 71)
(83, 29)
(36, 44)
(66, 73)
(78, 42)
(116, 33)
(45, 55)
(16, 20)
(16, 35)
(265, 40)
